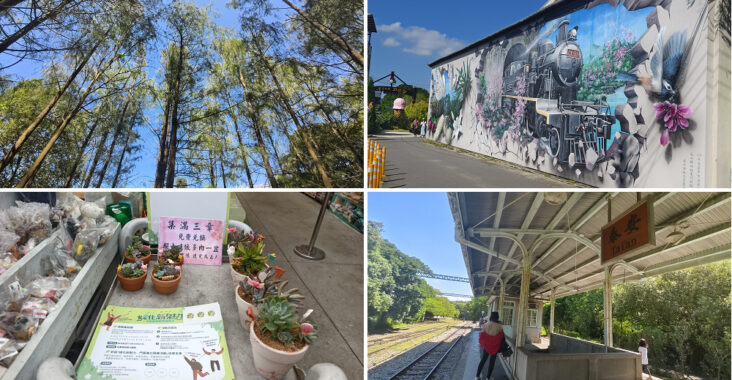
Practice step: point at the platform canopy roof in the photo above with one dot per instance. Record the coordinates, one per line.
(561, 233)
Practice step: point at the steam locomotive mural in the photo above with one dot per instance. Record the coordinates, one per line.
(579, 97)
(565, 126)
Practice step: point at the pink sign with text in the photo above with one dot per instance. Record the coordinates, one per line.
(200, 240)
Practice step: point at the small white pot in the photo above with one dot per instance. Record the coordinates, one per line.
(237, 277)
(243, 306)
(270, 363)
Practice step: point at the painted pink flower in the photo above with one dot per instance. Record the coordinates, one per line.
(306, 328)
(144, 267)
(674, 116)
(177, 268)
(255, 284)
(231, 230)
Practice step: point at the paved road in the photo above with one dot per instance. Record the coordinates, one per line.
(412, 163)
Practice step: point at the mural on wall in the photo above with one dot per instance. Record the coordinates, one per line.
(610, 95)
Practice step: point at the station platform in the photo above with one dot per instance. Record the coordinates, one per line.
(471, 360)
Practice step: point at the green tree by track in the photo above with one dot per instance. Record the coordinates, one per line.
(395, 293)
(684, 315)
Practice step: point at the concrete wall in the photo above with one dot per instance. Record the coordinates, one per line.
(478, 103)
(573, 359)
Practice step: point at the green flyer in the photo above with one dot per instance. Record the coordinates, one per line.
(172, 343)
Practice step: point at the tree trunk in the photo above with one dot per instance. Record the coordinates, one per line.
(60, 129)
(223, 173)
(173, 146)
(4, 44)
(286, 102)
(163, 153)
(329, 34)
(243, 152)
(258, 135)
(268, 136)
(122, 157)
(70, 176)
(97, 156)
(32, 127)
(117, 132)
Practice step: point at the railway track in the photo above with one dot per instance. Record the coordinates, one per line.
(425, 365)
(402, 338)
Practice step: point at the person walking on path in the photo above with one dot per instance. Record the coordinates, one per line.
(643, 349)
(415, 127)
(490, 340)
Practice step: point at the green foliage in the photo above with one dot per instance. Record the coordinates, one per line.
(395, 293)
(131, 270)
(684, 316)
(248, 258)
(416, 110)
(440, 306)
(476, 308)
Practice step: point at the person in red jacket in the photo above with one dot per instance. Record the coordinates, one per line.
(490, 339)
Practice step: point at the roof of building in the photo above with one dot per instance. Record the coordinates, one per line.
(570, 260)
(551, 10)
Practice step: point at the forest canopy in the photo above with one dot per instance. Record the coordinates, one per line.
(164, 93)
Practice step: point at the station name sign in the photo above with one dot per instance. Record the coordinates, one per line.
(632, 230)
(394, 90)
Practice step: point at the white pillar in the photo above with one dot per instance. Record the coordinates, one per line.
(551, 312)
(608, 306)
(523, 302)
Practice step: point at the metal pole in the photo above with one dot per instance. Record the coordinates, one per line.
(310, 251)
(551, 311)
(608, 306)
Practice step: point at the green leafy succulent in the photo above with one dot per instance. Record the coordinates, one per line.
(247, 260)
(278, 317)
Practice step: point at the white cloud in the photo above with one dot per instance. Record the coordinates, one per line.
(418, 40)
(391, 41)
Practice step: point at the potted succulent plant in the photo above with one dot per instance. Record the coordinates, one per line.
(137, 251)
(132, 276)
(166, 278)
(249, 293)
(246, 257)
(278, 338)
(172, 256)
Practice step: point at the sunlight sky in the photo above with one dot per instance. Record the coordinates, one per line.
(421, 225)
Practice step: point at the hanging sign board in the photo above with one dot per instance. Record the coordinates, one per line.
(632, 230)
(200, 240)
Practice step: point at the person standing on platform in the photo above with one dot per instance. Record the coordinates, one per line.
(643, 349)
(490, 340)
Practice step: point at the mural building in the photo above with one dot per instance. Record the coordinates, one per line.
(612, 94)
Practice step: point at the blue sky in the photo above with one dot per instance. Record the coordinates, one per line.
(144, 172)
(421, 225)
(411, 35)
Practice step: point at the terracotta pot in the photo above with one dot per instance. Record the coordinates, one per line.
(160, 261)
(237, 277)
(166, 287)
(271, 363)
(242, 306)
(144, 259)
(132, 284)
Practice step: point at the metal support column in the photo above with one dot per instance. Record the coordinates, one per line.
(608, 306)
(310, 251)
(551, 311)
(500, 302)
(523, 302)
